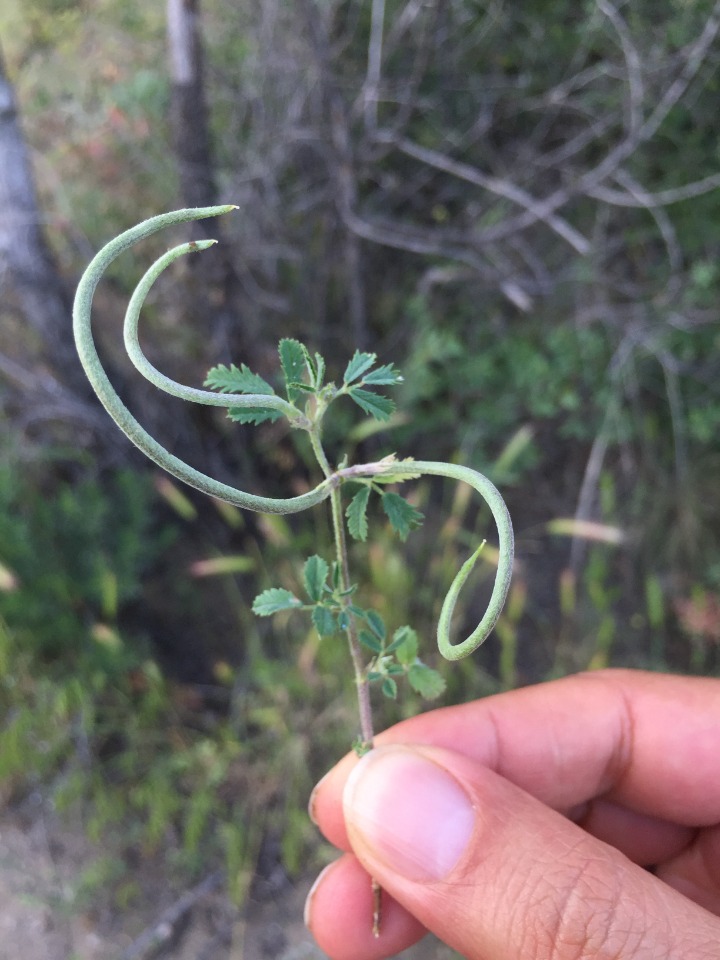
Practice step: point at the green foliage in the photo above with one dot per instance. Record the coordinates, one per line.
(78, 556)
(402, 515)
(327, 589)
(356, 514)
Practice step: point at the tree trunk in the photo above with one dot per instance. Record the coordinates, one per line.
(31, 274)
(218, 290)
(189, 113)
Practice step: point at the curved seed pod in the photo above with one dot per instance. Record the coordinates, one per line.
(491, 495)
(183, 471)
(116, 408)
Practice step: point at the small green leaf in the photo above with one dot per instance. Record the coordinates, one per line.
(370, 641)
(389, 688)
(273, 600)
(254, 415)
(361, 747)
(323, 621)
(387, 375)
(343, 620)
(402, 515)
(297, 387)
(373, 675)
(315, 574)
(236, 380)
(241, 379)
(358, 365)
(356, 514)
(373, 404)
(319, 371)
(395, 670)
(376, 624)
(292, 360)
(426, 681)
(396, 477)
(404, 645)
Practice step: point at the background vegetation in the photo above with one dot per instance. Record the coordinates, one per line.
(518, 205)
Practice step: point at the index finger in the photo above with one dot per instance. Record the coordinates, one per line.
(646, 741)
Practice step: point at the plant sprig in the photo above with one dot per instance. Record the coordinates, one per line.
(308, 395)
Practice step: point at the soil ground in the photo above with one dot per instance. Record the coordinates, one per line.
(44, 867)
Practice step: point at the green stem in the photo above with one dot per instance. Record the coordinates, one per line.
(356, 655)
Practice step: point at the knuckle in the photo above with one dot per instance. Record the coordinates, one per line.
(583, 910)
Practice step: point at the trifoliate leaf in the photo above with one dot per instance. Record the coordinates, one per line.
(426, 681)
(324, 621)
(358, 365)
(370, 641)
(356, 514)
(273, 601)
(241, 379)
(315, 574)
(402, 515)
(374, 404)
(376, 624)
(386, 375)
(389, 688)
(404, 645)
(292, 360)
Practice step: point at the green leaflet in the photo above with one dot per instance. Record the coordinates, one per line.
(234, 379)
(374, 404)
(402, 515)
(358, 365)
(241, 379)
(324, 621)
(356, 514)
(387, 375)
(405, 646)
(315, 574)
(426, 681)
(273, 601)
(292, 360)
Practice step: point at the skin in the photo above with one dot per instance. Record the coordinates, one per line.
(595, 808)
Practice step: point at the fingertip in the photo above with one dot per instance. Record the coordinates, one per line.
(325, 805)
(339, 914)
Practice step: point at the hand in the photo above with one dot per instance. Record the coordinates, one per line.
(571, 820)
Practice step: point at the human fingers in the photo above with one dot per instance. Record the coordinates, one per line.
(339, 911)
(645, 742)
(498, 875)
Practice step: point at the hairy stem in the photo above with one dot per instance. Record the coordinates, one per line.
(341, 554)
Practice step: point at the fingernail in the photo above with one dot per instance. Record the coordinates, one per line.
(407, 811)
(307, 911)
(313, 800)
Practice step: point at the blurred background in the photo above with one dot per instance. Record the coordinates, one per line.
(518, 205)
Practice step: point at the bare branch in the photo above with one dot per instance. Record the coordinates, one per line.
(636, 93)
(501, 188)
(662, 198)
(371, 87)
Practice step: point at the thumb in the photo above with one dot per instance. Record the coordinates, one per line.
(497, 875)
